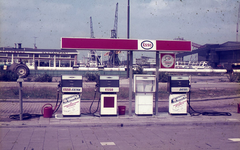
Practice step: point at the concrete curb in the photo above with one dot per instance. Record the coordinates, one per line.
(120, 125)
(125, 121)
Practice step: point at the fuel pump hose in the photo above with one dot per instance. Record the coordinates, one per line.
(196, 113)
(26, 116)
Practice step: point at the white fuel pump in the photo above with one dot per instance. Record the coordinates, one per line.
(71, 95)
(178, 87)
(144, 87)
(108, 86)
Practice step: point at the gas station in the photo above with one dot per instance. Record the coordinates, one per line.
(145, 86)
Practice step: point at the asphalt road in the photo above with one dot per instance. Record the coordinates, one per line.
(192, 137)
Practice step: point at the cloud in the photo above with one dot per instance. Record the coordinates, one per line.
(199, 21)
(190, 19)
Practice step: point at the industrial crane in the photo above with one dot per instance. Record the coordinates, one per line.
(93, 58)
(113, 55)
(238, 23)
(114, 30)
(91, 28)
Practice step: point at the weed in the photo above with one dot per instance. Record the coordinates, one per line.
(42, 78)
(92, 77)
(6, 75)
(234, 77)
(138, 70)
(163, 77)
(124, 93)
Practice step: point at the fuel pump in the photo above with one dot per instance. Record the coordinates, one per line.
(108, 87)
(144, 87)
(71, 95)
(178, 87)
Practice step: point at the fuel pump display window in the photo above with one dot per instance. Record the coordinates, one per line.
(144, 87)
(144, 83)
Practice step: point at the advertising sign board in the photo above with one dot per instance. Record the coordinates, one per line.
(167, 60)
(124, 44)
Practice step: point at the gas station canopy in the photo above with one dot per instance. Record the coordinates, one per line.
(125, 44)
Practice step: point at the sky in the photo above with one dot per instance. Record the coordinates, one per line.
(45, 22)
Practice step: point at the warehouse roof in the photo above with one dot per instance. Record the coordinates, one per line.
(228, 46)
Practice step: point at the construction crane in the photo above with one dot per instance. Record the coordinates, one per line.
(113, 55)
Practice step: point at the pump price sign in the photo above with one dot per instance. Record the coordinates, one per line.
(125, 44)
(71, 89)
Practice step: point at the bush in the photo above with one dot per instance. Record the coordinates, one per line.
(138, 70)
(238, 78)
(233, 77)
(6, 75)
(42, 78)
(92, 77)
(163, 77)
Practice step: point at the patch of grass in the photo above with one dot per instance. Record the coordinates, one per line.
(214, 93)
(163, 94)
(124, 93)
(88, 93)
(28, 92)
(42, 78)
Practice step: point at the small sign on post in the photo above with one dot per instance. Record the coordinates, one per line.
(167, 60)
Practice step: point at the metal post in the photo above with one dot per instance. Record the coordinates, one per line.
(157, 78)
(12, 61)
(20, 80)
(54, 61)
(128, 64)
(128, 20)
(130, 83)
(129, 61)
(113, 58)
(128, 35)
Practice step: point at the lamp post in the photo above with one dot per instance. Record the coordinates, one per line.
(130, 62)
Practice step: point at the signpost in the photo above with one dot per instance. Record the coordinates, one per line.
(167, 60)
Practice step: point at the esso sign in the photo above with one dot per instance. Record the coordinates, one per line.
(146, 44)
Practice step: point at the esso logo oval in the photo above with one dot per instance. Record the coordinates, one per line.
(147, 44)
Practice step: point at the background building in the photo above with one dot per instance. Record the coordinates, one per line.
(218, 55)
